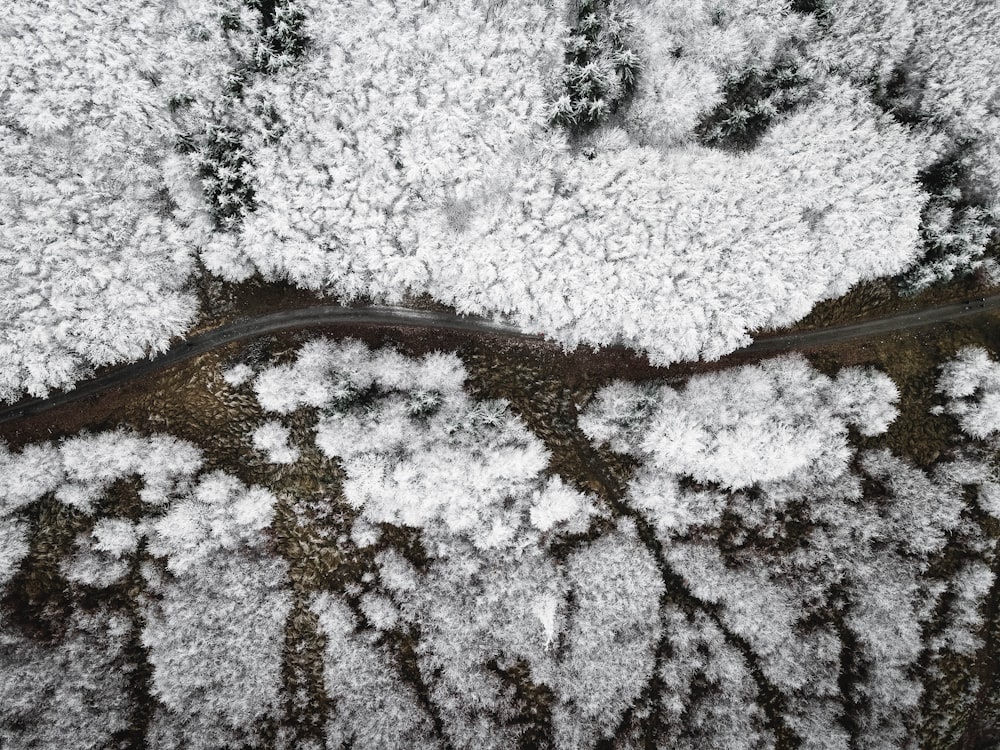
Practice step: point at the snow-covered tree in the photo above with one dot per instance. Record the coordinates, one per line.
(423, 452)
(946, 84)
(373, 708)
(971, 382)
(864, 41)
(690, 52)
(600, 67)
(214, 635)
(710, 697)
(741, 427)
(611, 636)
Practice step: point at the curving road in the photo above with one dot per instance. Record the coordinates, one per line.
(403, 317)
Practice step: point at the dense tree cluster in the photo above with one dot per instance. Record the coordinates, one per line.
(600, 69)
(946, 85)
(489, 599)
(819, 573)
(792, 591)
(201, 595)
(756, 581)
(71, 689)
(414, 171)
(741, 161)
(93, 250)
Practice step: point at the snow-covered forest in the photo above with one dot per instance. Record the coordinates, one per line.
(669, 175)
(759, 581)
(325, 544)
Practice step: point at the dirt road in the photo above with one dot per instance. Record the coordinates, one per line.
(404, 318)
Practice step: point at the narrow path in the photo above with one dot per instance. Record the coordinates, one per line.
(888, 324)
(402, 317)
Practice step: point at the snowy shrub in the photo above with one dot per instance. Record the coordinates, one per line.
(971, 382)
(27, 475)
(865, 399)
(219, 514)
(92, 462)
(237, 375)
(272, 438)
(78, 472)
(327, 373)
(13, 546)
(102, 556)
(81, 468)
